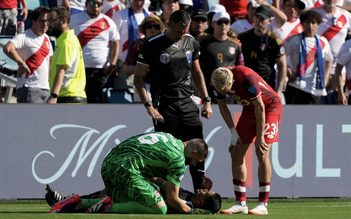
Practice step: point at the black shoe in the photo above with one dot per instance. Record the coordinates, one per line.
(52, 196)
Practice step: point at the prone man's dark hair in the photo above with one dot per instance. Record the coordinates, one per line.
(310, 16)
(180, 17)
(39, 11)
(62, 12)
(213, 203)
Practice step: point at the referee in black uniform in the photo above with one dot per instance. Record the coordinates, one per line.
(262, 49)
(170, 57)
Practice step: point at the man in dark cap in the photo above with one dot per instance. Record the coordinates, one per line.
(198, 23)
(262, 49)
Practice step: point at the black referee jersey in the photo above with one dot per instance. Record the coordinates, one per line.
(170, 65)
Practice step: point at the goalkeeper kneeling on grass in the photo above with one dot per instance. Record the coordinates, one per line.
(130, 170)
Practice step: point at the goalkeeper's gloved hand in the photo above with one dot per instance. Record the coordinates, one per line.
(199, 211)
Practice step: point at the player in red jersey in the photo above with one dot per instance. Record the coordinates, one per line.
(259, 123)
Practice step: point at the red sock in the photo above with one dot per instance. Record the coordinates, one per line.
(264, 192)
(239, 190)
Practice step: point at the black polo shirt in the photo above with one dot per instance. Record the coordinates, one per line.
(260, 53)
(170, 65)
(215, 54)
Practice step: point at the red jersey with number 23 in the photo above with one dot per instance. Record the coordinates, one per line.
(248, 86)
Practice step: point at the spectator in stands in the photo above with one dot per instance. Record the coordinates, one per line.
(32, 51)
(336, 22)
(8, 16)
(243, 25)
(67, 71)
(262, 49)
(99, 39)
(237, 9)
(213, 10)
(218, 50)
(127, 20)
(310, 62)
(344, 59)
(168, 7)
(186, 5)
(112, 6)
(292, 26)
(151, 26)
(198, 23)
(74, 6)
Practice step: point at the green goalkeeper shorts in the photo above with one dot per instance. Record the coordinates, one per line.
(123, 186)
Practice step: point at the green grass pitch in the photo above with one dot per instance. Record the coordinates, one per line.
(299, 208)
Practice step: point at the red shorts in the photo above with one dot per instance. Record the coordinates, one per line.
(246, 126)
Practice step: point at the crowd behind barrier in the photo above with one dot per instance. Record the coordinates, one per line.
(283, 23)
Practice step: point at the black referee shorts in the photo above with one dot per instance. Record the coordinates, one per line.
(181, 119)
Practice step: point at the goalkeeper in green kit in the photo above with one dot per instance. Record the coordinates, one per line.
(132, 168)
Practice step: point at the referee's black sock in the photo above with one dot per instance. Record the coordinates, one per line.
(197, 172)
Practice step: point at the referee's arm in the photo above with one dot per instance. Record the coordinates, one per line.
(199, 81)
(139, 75)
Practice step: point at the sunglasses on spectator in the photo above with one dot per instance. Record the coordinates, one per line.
(52, 20)
(149, 26)
(203, 20)
(220, 22)
(93, 3)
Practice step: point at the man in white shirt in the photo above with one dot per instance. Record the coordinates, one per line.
(336, 22)
(75, 6)
(112, 6)
(309, 67)
(126, 19)
(292, 26)
(344, 59)
(32, 51)
(99, 39)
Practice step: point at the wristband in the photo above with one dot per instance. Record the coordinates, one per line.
(235, 136)
(53, 95)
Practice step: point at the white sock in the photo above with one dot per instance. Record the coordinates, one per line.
(242, 203)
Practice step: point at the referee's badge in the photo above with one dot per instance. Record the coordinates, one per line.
(263, 47)
(165, 58)
(232, 50)
(189, 56)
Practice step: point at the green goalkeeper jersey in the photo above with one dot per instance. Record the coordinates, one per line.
(156, 154)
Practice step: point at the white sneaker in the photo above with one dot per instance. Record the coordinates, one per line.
(235, 209)
(260, 209)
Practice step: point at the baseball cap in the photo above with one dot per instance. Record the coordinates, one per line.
(163, 1)
(186, 2)
(216, 8)
(254, 3)
(264, 11)
(200, 14)
(300, 4)
(220, 15)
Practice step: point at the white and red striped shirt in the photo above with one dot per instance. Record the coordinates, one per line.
(109, 8)
(288, 29)
(335, 35)
(36, 52)
(292, 49)
(241, 26)
(94, 35)
(309, 4)
(345, 60)
(121, 20)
